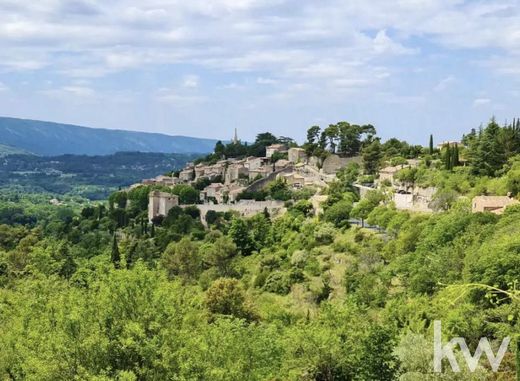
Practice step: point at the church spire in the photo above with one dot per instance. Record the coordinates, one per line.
(235, 138)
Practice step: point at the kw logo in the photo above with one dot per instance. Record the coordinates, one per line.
(446, 351)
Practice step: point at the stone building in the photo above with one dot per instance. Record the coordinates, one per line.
(160, 203)
(493, 204)
(187, 175)
(162, 180)
(253, 163)
(236, 171)
(272, 149)
(293, 179)
(296, 155)
(282, 163)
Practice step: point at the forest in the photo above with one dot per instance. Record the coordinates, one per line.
(93, 291)
(92, 177)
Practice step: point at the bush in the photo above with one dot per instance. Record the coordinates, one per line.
(278, 283)
(227, 297)
(324, 234)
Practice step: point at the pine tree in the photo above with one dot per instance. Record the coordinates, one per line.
(490, 155)
(431, 144)
(372, 155)
(115, 257)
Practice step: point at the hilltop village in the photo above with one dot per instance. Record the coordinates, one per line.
(238, 184)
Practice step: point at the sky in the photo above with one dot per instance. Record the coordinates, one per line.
(204, 68)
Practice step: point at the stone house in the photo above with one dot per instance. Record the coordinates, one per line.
(272, 149)
(296, 155)
(162, 180)
(160, 204)
(260, 172)
(282, 163)
(493, 204)
(236, 171)
(253, 163)
(213, 192)
(293, 179)
(187, 175)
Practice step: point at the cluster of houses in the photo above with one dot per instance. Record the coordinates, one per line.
(230, 177)
(419, 199)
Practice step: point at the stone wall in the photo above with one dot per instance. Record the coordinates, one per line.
(261, 183)
(333, 163)
(245, 208)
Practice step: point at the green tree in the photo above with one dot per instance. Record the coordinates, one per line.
(372, 155)
(448, 157)
(227, 297)
(219, 255)
(187, 194)
(240, 234)
(69, 266)
(115, 257)
(338, 213)
(431, 150)
(489, 155)
(182, 259)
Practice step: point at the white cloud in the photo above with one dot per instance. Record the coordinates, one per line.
(190, 81)
(176, 98)
(444, 83)
(3, 87)
(266, 81)
(73, 90)
(481, 102)
(385, 45)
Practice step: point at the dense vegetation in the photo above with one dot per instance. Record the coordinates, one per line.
(99, 294)
(93, 177)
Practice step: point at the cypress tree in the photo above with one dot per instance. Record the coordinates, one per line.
(131, 256)
(455, 156)
(69, 266)
(447, 158)
(115, 257)
(431, 144)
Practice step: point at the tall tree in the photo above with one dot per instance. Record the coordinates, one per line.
(115, 256)
(489, 156)
(455, 160)
(372, 155)
(331, 134)
(431, 144)
(240, 233)
(448, 158)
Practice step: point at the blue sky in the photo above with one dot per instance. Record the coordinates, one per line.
(202, 68)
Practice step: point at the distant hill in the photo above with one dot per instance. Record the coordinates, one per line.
(8, 150)
(48, 139)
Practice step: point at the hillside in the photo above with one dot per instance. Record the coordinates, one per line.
(93, 177)
(48, 139)
(8, 150)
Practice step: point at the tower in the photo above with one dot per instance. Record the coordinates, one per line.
(235, 138)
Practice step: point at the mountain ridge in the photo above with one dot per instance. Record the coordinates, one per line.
(50, 138)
